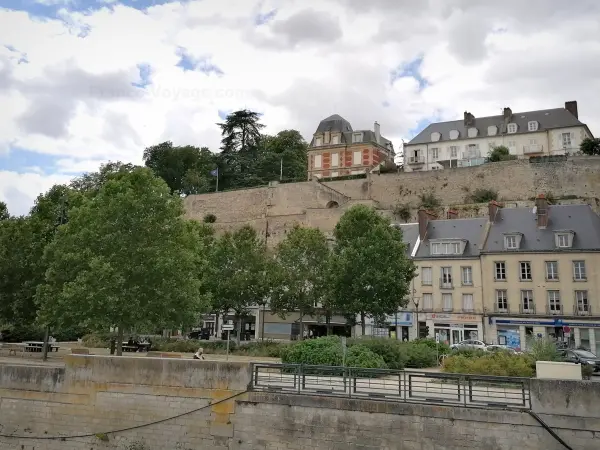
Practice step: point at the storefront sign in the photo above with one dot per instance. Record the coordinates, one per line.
(400, 319)
(453, 317)
(547, 323)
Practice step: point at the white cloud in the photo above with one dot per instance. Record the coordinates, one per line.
(74, 98)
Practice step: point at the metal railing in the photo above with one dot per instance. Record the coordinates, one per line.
(393, 385)
(416, 160)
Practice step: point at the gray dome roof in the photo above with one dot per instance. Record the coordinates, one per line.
(334, 123)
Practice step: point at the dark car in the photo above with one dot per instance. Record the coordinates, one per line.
(203, 334)
(583, 357)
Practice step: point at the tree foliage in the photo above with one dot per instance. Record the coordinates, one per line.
(370, 271)
(590, 146)
(123, 259)
(500, 153)
(4, 211)
(237, 275)
(302, 264)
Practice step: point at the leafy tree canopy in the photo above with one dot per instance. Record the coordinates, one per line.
(590, 146)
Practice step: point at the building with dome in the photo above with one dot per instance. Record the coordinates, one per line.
(337, 150)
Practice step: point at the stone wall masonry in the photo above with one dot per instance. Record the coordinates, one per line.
(307, 203)
(98, 403)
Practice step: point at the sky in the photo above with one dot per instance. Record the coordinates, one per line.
(85, 82)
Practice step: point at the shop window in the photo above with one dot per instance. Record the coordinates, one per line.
(584, 336)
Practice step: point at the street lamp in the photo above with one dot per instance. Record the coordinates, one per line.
(415, 301)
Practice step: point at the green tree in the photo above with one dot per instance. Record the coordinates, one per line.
(283, 155)
(123, 259)
(186, 170)
(91, 182)
(237, 273)
(302, 264)
(370, 271)
(590, 146)
(500, 153)
(4, 211)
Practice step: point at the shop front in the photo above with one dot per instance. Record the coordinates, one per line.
(454, 328)
(394, 326)
(515, 332)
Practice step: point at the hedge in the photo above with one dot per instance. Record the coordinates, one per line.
(497, 364)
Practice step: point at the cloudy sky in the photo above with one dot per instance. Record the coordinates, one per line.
(83, 82)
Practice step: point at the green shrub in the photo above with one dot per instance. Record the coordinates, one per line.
(420, 355)
(361, 356)
(391, 351)
(543, 349)
(587, 371)
(20, 333)
(497, 364)
(441, 348)
(326, 351)
(269, 349)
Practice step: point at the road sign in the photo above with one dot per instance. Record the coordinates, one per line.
(567, 329)
(227, 327)
(437, 337)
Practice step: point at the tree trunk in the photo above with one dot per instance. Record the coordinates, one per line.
(301, 322)
(362, 323)
(216, 324)
(262, 323)
(120, 333)
(328, 323)
(239, 329)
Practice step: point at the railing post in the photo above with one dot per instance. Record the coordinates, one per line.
(252, 376)
(464, 391)
(301, 380)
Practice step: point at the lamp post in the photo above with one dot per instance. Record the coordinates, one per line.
(415, 301)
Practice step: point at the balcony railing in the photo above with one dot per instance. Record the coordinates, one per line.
(529, 310)
(447, 308)
(446, 284)
(416, 160)
(533, 148)
(555, 309)
(582, 310)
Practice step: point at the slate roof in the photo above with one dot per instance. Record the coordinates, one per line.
(580, 219)
(470, 230)
(547, 119)
(337, 123)
(410, 234)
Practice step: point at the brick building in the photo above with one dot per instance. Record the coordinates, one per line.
(337, 150)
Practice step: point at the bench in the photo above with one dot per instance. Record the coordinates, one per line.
(39, 347)
(80, 351)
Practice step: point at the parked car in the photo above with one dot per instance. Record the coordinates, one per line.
(498, 347)
(203, 334)
(583, 357)
(470, 344)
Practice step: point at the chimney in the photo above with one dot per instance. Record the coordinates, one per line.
(424, 217)
(469, 119)
(377, 129)
(572, 108)
(452, 214)
(493, 208)
(541, 211)
(507, 114)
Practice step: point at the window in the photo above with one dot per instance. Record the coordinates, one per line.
(357, 137)
(566, 140)
(492, 130)
(454, 151)
(510, 242)
(552, 270)
(318, 161)
(445, 248)
(562, 240)
(492, 145)
(581, 300)
(512, 127)
(527, 305)
(434, 153)
(334, 174)
(468, 305)
(467, 275)
(512, 144)
(446, 277)
(357, 158)
(435, 136)
(428, 302)
(454, 134)
(525, 270)
(447, 302)
(335, 159)
(500, 273)
(579, 271)
(532, 125)
(501, 300)
(532, 141)
(472, 132)
(426, 278)
(318, 141)
(554, 306)
(335, 139)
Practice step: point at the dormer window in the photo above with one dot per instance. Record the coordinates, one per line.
(442, 248)
(356, 137)
(473, 132)
(435, 136)
(454, 134)
(532, 125)
(335, 139)
(512, 241)
(563, 239)
(492, 130)
(512, 128)
(318, 141)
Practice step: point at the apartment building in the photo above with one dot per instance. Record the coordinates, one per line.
(518, 273)
(337, 150)
(446, 293)
(540, 272)
(468, 142)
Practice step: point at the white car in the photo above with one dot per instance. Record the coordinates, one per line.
(469, 344)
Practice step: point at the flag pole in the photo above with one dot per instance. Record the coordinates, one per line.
(281, 170)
